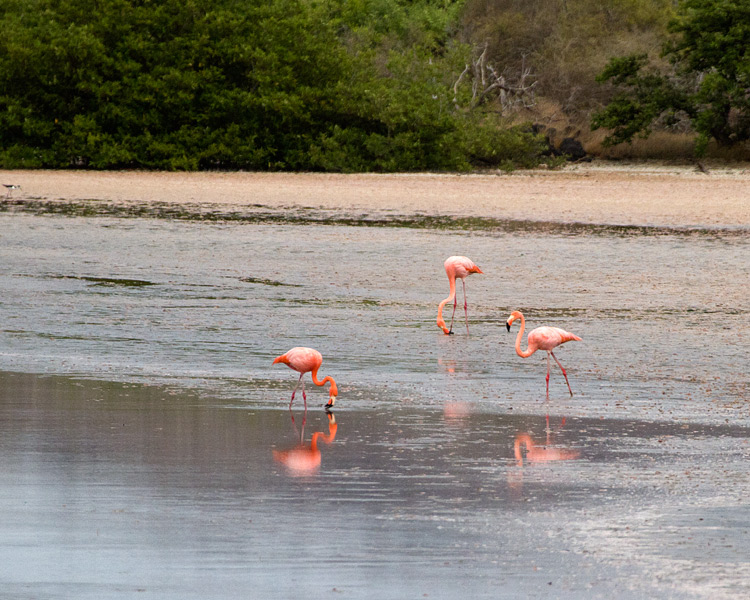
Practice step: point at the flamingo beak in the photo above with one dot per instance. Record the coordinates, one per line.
(507, 324)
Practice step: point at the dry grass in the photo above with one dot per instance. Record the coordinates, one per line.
(665, 146)
(662, 145)
(659, 145)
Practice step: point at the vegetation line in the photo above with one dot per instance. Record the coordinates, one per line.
(270, 215)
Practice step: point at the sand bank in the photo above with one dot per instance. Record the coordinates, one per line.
(638, 194)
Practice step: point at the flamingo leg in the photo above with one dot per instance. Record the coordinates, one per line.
(563, 372)
(466, 305)
(295, 390)
(304, 396)
(455, 303)
(548, 353)
(304, 420)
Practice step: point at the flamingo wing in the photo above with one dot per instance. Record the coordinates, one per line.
(303, 359)
(549, 338)
(461, 266)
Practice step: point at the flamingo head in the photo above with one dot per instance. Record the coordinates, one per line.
(476, 269)
(332, 393)
(281, 359)
(513, 316)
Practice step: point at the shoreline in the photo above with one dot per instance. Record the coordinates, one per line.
(640, 194)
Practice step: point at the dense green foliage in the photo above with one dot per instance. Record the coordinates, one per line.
(708, 83)
(359, 85)
(339, 85)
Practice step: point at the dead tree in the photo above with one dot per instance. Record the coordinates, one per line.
(487, 85)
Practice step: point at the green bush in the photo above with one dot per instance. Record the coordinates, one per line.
(708, 82)
(224, 84)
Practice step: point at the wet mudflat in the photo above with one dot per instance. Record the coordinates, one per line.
(147, 448)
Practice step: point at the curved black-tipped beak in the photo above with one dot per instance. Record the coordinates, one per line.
(450, 333)
(507, 325)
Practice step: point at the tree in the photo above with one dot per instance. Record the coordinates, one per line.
(708, 84)
(340, 85)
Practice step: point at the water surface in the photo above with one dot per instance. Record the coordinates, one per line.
(148, 449)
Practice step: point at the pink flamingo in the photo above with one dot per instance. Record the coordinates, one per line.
(306, 360)
(542, 338)
(461, 267)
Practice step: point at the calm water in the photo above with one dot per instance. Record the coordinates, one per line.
(147, 450)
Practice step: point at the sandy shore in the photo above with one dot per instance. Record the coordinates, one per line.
(592, 193)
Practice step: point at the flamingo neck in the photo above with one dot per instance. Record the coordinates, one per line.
(323, 437)
(529, 351)
(451, 297)
(333, 390)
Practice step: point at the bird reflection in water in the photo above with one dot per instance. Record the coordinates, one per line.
(447, 364)
(536, 453)
(305, 459)
(526, 449)
(455, 412)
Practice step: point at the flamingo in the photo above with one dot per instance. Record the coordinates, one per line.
(542, 338)
(461, 267)
(306, 360)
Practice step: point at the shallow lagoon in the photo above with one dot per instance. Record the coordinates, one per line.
(141, 412)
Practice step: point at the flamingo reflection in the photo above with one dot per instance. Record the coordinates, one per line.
(536, 453)
(457, 413)
(524, 446)
(305, 459)
(447, 364)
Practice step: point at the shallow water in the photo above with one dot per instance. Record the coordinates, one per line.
(142, 459)
(112, 489)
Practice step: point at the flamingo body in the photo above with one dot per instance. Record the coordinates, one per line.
(549, 338)
(460, 267)
(302, 360)
(307, 360)
(542, 338)
(456, 267)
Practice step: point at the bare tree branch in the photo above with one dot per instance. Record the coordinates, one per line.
(488, 85)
